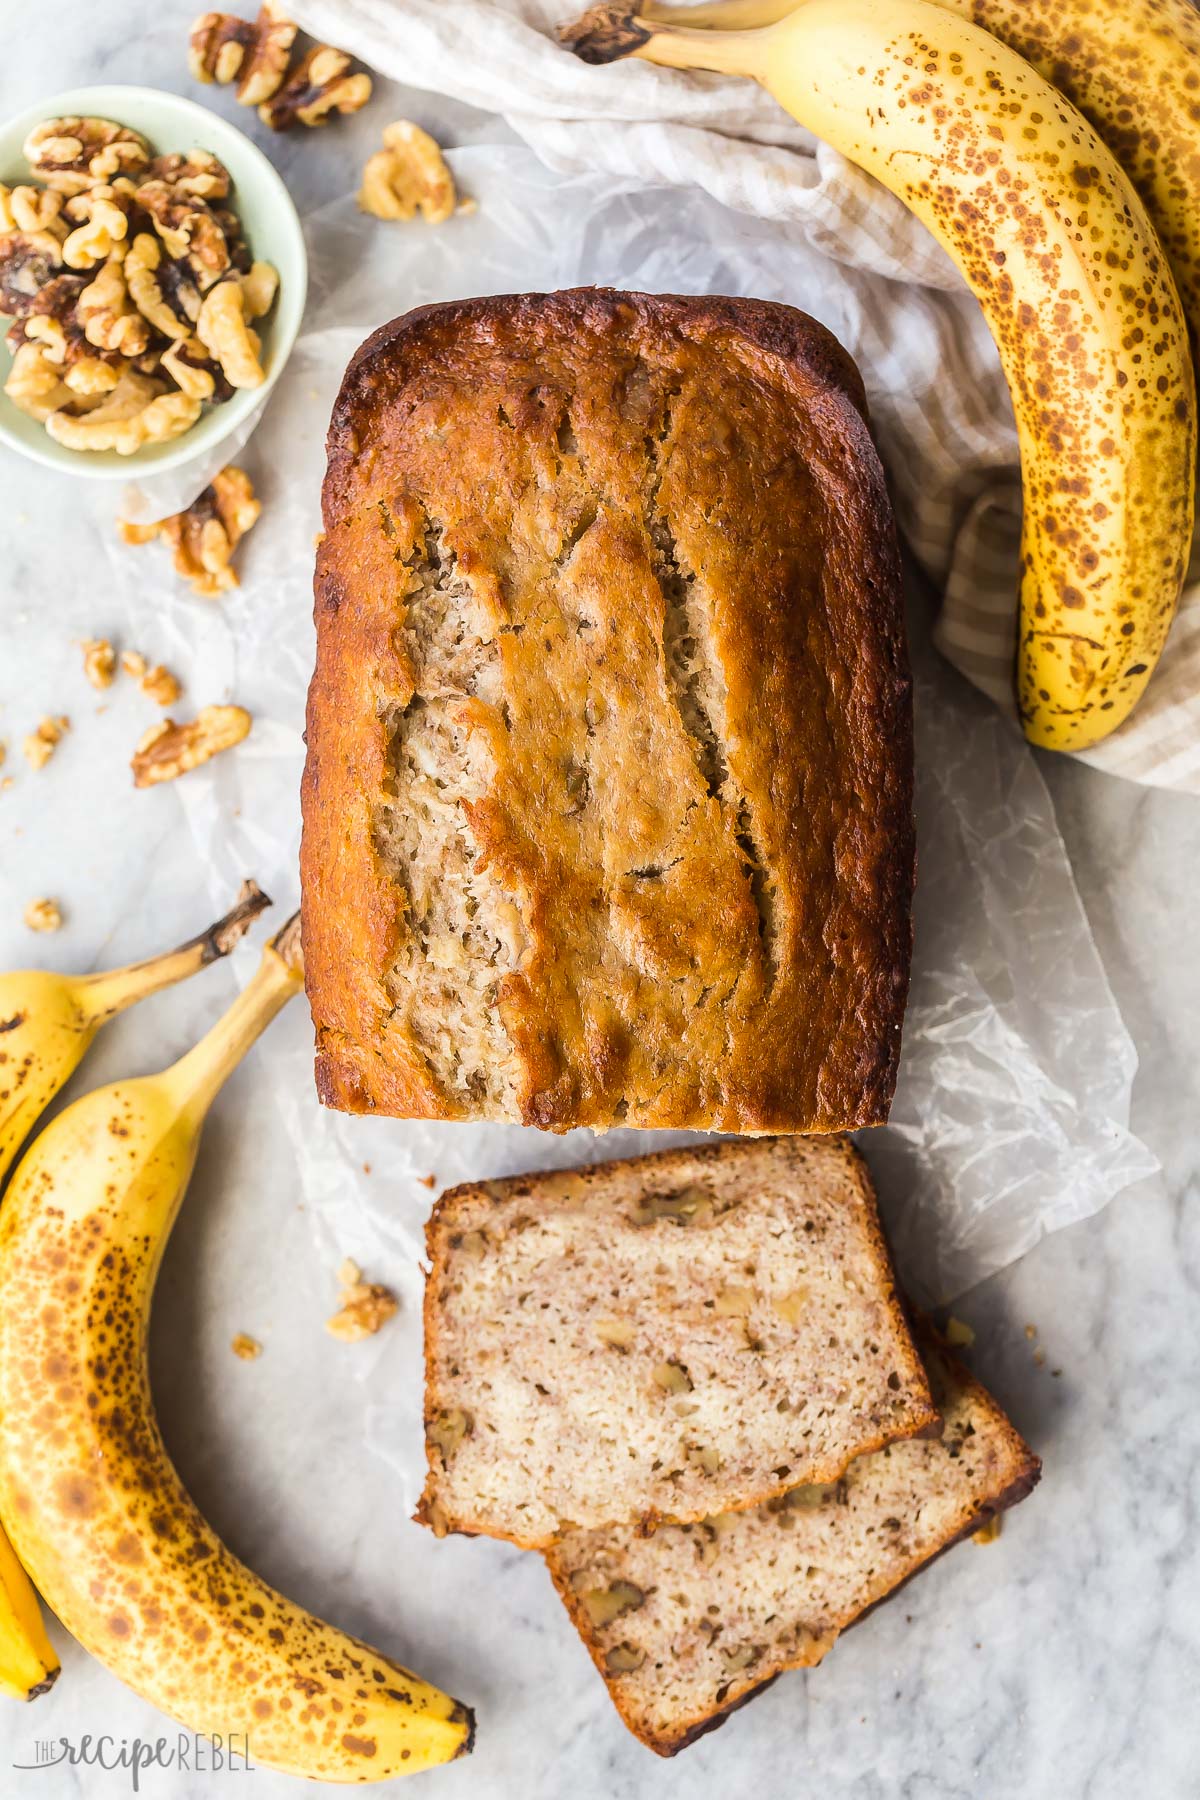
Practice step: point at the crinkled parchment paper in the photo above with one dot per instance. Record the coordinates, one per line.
(1012, 1113)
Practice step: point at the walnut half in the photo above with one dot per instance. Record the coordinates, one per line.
(409, 175)
(205, 536)
(320, 84)
(224, 48)
(169, 750)
(73, 154)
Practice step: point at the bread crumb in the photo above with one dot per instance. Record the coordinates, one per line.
(987, 1534)
(1031, 1332)
(245, 1346)
(958, 1334)
(366, 1168)
(40, 745)
(1039, 1359)
(6, 783)
(43, 915)
(429, 1181)
(365, 1307)
(99, 661)
(3, 750)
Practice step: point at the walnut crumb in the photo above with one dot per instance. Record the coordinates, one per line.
(1039, 1359)
(958, 1334)
(43, 915)
(159, 685)
(365, 1307)
(245, 1346)
(99, 662)
(133, 663)
(39, 746)
(3, 752)
(1031, 1332)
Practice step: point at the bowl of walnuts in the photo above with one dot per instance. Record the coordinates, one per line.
(152, 280)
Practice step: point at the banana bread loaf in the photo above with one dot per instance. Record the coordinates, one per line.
(671, 1336)
(607, 806)
(694, 1621)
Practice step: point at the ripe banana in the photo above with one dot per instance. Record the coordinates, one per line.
(47, 1022)
(1057, 247)
(28, 1665)
(1132, 67)
(94, 1506)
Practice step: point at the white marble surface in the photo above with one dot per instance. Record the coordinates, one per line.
(1064, 1661)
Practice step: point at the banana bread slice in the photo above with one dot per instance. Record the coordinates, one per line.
(607, 805)
(692, 1622)
(671, 1336)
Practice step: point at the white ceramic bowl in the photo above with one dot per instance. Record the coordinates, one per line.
(272, 230)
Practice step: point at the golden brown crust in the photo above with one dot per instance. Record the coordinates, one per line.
(666, 1168)
(721, 450)
(1022, 1473)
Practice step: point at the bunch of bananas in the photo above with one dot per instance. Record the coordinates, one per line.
(1051, 147)
(95, 1510)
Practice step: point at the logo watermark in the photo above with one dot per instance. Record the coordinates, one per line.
(201, 1755)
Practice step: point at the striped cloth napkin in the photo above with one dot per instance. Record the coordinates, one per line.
(938, 398)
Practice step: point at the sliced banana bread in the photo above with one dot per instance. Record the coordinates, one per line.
(667, 1337)
(690, 1623)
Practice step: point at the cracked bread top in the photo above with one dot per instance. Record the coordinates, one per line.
(607, 805)
(692, 1622)
(664, 1337)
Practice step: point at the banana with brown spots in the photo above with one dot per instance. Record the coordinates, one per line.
(47, 1022)
(1132, 67)
(1056, 245)
(94, 1506)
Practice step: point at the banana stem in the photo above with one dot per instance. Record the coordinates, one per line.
(103, 995)
(609, 32)
(199, 1075)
